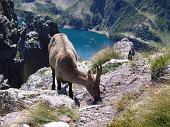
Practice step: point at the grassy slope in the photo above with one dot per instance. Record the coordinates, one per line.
(153, 108)
(154, 111)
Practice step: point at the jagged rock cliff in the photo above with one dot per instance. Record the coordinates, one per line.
(23, 49)
(9, 37)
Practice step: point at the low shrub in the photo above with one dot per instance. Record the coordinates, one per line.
(158, 65)
(104, 56)
(43, 113)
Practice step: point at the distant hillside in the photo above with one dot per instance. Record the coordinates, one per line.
(148, 20)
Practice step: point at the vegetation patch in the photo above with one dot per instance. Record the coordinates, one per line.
(155, 112)
(43, 113)
(110, 67)
(158, 65)
(104, 56)
(134, 64)
(72, 113)
(126, 98)
(147, 54)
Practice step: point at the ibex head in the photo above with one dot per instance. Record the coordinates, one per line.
(93, 83)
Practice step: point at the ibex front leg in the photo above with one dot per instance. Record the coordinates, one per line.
(70, 90)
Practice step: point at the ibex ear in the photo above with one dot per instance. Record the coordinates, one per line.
(89, 74)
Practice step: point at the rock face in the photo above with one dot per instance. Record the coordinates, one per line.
(144, 32)
(125, 47)
(9, 36)
(3, 83)
(42, 79)
(129, 79)
(12, 100)
(23, 49)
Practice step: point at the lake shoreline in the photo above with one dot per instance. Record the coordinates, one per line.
(86, 42)
(103, 32)
(74, 27)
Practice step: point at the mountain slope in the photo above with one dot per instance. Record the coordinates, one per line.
(144, 19)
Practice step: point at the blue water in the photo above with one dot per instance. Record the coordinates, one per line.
(86, 43)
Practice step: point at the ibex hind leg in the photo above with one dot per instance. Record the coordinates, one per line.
(70, 90)
(59, 85)
(53, 75)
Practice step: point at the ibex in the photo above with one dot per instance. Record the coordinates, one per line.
(63, 61)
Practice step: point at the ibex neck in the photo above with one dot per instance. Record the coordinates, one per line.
(79, 77)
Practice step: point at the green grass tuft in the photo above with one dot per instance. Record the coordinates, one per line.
(43, 113)
(110, 67)
(158, 65)
(123, 102)
(155, 112)
(72, 113)
(104, 56)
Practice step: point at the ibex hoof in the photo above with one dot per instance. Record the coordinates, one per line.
(96, 101)
(53, 88)
(71, 96)
(58, 88)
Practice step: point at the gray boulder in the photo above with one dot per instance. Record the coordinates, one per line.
(3, 83)
(15, 100)
(10, 119)
(32, 40)
(42, 79)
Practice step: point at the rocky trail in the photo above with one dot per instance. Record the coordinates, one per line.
(126, 79)
(115, 84)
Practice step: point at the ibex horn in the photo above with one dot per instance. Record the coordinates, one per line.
(99, 73)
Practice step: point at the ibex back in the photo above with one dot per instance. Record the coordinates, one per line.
(63, 61)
